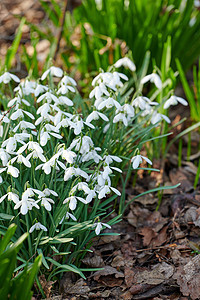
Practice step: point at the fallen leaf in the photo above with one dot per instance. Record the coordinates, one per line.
(188, 278)
(93, 262)
(148, 234)
(107, 271)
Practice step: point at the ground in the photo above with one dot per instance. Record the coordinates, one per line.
(156, 256)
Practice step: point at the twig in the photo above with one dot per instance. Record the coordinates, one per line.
(6, 113)
(61, 26)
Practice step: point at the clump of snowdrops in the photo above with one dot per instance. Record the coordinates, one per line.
(60, 156)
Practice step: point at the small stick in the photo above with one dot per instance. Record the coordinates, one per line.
(7, 113)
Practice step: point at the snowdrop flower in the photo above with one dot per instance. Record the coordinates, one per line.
(67, 79)
(108, 103)
(99, 227)
(46, 132)
(68, 155)
(107, 170)
(174, 100)
(77, 124)
(95, 115)
(120, 117)
(26, 204)
(98, 91)
(83, 145)
(24, 125)
(116, 80)
(125, 62)
(21, 159)
(11, 142)
(19, 113)
(49, 97)
(129, 110)
(17, 101)
(46, 203)
(4, 156)
(81, 186)
(26, 88)
(40, 89)
(110, 158)
(73, 201)
(11, 197)
(67, 216)
(63, 100)
(71, 171)
(142, 101)
(157, 117)
(136, 160)
(32, 146)
(7, 77)
(91, 155)
(53, 71)
(155, 78)
(37, 226)
(65, 87)
(104, 190)
(10, 170)
(53, 162)
(48, 192)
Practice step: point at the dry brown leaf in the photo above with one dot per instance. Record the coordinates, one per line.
(46, 285)
(129, 277)
(93, 262)
(188, 278)
(161, 238)
(148, 234)
(159, 274)
(79, 288)
(106, 272)
(118, 261)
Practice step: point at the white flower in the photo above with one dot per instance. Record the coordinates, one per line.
(11, 142)
(71, 171)
(49, 97)
(37, 226)
(95, 115)
(24, 125)
(98, 91)
(120, 117)
(136, 160)
(4, 156)
(7, 77)
(108, 103)
(73, 201)
(157, 117)
(26, 204)
(174, 100)
(40, 89)
(141, 102)
(10, 170)
(155, 78)
(104, 190)
(83, 145)
(99, 226)
(46, 203)
(18, 101)
(11, 197)
(53, 71)
(125, 62)
(68, 156)
(110, 158)
(19, 113)
(67, 216)
(21, 159)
